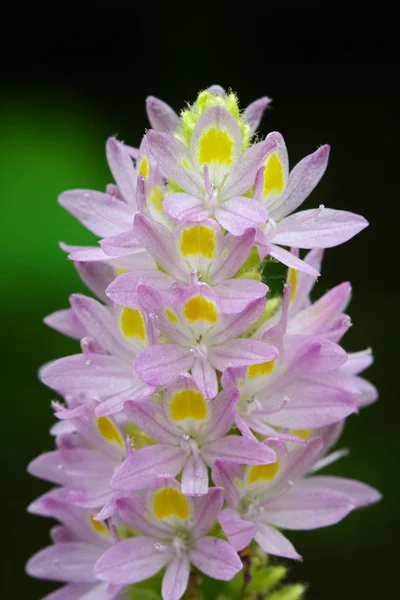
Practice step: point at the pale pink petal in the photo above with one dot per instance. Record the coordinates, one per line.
(253, 112)
(66, 322)
(195, 477)
(121, 166)
(161, 116)
(176, 577)
(96, 276)
(215, 558)
(240, 213)
(205, 377)
(69, 561)
(235, 252)
(239, 449)
(185, 207)
(359, 494)
(123, 290)
(160, 243)
(290, 260)
(159, 364)
(224, 475)
(149, 417)
(318, 228)
(222, 415)
(274, 542)
(132, 560)
(233, 325)
(241, 352)
(236, 294)
(206, 511)
(238, 531)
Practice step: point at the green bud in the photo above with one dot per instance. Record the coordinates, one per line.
(289, 592)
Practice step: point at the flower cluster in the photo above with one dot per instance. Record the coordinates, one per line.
(197, 413)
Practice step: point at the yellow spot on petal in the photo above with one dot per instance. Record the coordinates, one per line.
(198, 308)
(171, 315)
(156, 198)
(292, 277)
(185, 163)
(120, 271)
(216, 146)
(263, 472)
(144, 168)
(238, 483)
(198, 239)
(188, 404)
(274, 179)
(98, 526)
(132, 323)
(260, 370)
(109, 431)
(304, 434)
(169, 502)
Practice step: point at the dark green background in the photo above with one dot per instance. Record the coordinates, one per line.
(81, 78)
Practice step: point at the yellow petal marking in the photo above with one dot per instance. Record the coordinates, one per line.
(120, 271)
(198, 308)
(260, 370)
(198, 239)
(274, 179)
(171, 315)
(188, 404)
(292, 277)
(144, 168)
(216, 145)
(109, 431)
(304, 434)
(263, 472)
(98, 526)
(132, 323)
(156, 198)
(169, 502)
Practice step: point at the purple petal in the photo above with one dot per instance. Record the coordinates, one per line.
(66, 322)
(238, 449)
(238, 531)
(254, 112)
(160, 242)
(176, 577)
(274, 542)
(358, 493)
(69, 561)
(96, 276)
(222, 415)
(159, 364)
(318, 228)
(242, 177)
(131, 561)
(235, 252)
(80, 591)
(308, 508)
(205, 377)
(185, 207)
(123, 290)
(236, 294)
(132, 511)
(144, 464)
(195, 477)
(215, 558)
(290, 260)
(206, 511)
(161, 116)
(121, 166)
(170, 153)
(224, 475)
(239, 214)
(241, 352)
(149, 416)
(236, 324)
(302, 180)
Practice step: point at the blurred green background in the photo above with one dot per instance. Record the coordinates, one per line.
(58, 106)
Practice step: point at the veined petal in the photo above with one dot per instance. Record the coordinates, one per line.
(225, 475)
(308, 508)
(274, 542)
(144, 464)
(123, 290)
(176, 162)
(132, 510)
(254, 112)
(302, 180)
(359, 494)
(161, 116)
(176, 577)
(240, 213)
(238, 531)
(123, 244)
(238, 449)
(149, 416)
(185, 207)
(96, 276)
(66, 322)
(233, 325)
(100, 213)
(290, 260)
(236, 249)
(206, 511)
(68, 561)
(160, 243)
(132, 560)
(223, 411)
(121, 166)
(205, 377)
(195, 477)
(236, 294)
(158, 364)
(216, 558)
(241, 352)
(81, 591)
(318, 228)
